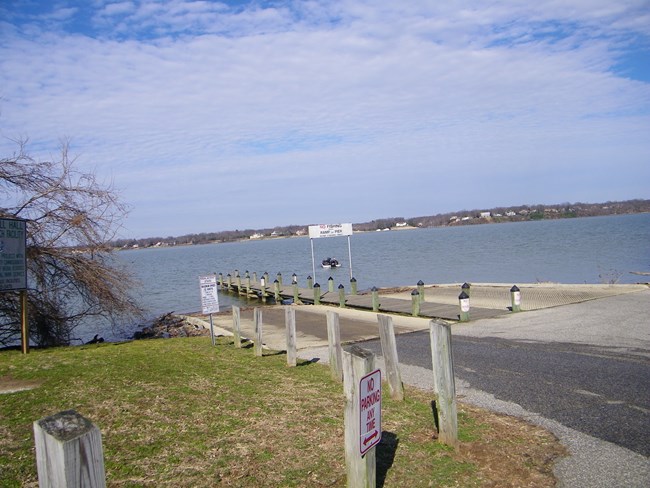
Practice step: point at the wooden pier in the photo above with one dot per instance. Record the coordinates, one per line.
(252, 287)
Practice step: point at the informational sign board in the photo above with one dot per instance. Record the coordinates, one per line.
(13, 261)
(369, 411)
(209, 295)
(329, 230)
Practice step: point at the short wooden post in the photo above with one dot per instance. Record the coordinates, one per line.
(238, 278)
(421, 290)
(69, 452)
(310, 282)
(375, 299)
(415, 303)
(290, 325)
(266, 277)
(247, 274)
(257, 319)
(389, 351)
(236, 273)
(334, 345)
(294, 278)
(316, 294)
(24, 323)
(236, 325)
(361, 470)
(330, 284)
(221, 280)
(276, 291)
(341, 296)
(255, 277)
(279, 278)
(248, 284)
(444, 384)
(515, 298)
(229, 277)
(296, 298)
(463, 301)
(353, 286)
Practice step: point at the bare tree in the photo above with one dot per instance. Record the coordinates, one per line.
(72, 274)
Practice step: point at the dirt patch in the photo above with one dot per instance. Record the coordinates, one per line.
(511, 452)
(11, 385)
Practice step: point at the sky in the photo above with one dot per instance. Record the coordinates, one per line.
(209, 116)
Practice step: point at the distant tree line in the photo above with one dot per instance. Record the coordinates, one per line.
(462, 217)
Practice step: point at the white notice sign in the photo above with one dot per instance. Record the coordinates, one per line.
(329, 230)
(369, 411)
(209, 295)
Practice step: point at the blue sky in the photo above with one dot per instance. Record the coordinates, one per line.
(209, 116)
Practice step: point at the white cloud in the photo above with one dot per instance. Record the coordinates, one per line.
(409, 108)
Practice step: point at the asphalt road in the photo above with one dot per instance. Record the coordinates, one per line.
(600, 392)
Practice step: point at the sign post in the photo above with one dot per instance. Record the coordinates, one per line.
(329, 230)
(13, 268)
(209, 298)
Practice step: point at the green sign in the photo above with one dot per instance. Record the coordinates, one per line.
(13, 262)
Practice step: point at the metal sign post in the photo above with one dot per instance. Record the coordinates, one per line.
(209, 298)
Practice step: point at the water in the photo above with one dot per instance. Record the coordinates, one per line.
(585, 250)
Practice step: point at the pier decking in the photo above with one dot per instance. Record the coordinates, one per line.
(252, 288)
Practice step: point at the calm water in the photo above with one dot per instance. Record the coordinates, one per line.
(585, 250)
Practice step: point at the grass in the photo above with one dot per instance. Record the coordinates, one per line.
(179, 412)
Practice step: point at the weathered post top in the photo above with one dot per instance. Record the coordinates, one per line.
(66, 426)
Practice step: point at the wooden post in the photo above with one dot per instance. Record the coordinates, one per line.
(353, 286)
(415, 303)
(463, 302)
(276, 291)
(330, 284)
(310, 282)
(444, 384)
(229, 276)
(375, 299)
(341, 296)
(221, 280)
(255, 277)
(334, 345)
(296, 298)
(389, 351)
(239, 289)
(361, 470)
(257, 319)
(248, 284)
(236, 325)
(515, 298)
(266, 277)
(421, 290)
(294, 278)
(290, 325)
(279, 278)
(316, 294)
(69, 452)
(24, 324)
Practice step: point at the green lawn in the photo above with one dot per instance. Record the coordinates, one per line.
(179, 412)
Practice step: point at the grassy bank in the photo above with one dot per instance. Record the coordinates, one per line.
(178, 412)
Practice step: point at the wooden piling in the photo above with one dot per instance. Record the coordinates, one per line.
(257, 319)
(69, 452)
(415, 303)
(389, 351)
(361, 470)
(236, 325)
(341, 296)
(375, 299)
(334, 345)
(290, 326)
(444, 384)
